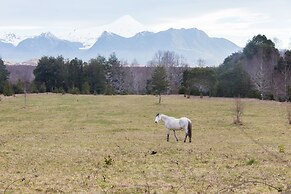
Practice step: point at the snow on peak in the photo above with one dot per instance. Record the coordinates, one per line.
(125, 26)
(106, 33)
(126, 20)
(144, 33)
(48, 35)
(11, 38)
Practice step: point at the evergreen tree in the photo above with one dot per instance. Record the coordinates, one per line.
(174, 67)
(4, 74)
(95, 75)
(114, 75)
(50, 72)
(232, 79)
(75, 74)
(7, 89)
(201, 79)
(159, 82)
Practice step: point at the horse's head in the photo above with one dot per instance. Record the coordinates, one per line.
(158, 118)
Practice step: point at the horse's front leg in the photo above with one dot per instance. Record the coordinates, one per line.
(175, 135)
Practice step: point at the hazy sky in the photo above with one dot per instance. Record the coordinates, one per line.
(236, 20)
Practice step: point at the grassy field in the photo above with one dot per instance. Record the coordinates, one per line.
(110, 144)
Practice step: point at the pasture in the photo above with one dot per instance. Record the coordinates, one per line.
(110, 144)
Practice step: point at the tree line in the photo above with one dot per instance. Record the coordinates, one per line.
(260, 70)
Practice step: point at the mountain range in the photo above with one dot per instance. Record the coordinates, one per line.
(192, 44)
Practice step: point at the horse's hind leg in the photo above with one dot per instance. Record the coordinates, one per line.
(175, 135)
(168, 135)
(190, 137)
(186, 134)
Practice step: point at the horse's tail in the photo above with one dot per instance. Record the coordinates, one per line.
(189, 129)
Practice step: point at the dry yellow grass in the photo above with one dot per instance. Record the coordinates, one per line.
(105, 144)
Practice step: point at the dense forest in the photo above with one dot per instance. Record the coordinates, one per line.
(260, 70)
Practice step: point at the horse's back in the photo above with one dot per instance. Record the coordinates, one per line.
(185, 119)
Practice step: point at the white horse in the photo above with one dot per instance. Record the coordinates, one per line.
(174, 124)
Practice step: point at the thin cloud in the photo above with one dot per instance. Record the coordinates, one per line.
(237, 21)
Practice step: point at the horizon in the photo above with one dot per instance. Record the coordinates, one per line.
(85, 20)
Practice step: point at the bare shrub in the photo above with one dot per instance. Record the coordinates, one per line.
(238, 111)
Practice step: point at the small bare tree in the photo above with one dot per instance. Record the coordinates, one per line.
(238, 111)
(25, 95)
(201, 62)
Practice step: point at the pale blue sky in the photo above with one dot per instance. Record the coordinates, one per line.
(236, 20)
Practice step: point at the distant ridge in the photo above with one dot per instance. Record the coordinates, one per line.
(192, 44)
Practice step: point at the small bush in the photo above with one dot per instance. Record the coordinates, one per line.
(281, 148)
(74, 91)
(42, 88)
(86, 88)
(108, 160)
(251, 162)
(7, 90)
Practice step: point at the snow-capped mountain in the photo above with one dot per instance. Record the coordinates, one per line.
(192, 44)
(47, 44)
(11, 38)
(125, 26)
